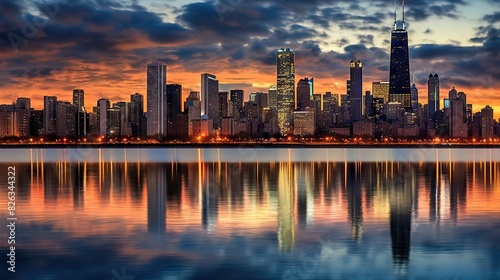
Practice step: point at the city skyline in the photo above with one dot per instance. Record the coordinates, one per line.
(463, 56)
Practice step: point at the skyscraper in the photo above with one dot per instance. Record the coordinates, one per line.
(157, 99)
(81, 114)
(286, 89)
(66, 119)
(49, 114)
(125, 127)
(236, 96)
(103, 106)
(380, 90)
(79, 99)
(210, 98)
(457, 121)
(23, 112)
(414, 98)
(487, 123)
(136, 111)
(356, 91)
(193, 107)
(433, 96)
(223, 104)
(399, 75)
(8, 125)
(174, 96)
(273, 97)
(304, 94)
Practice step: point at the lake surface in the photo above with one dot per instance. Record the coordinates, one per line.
(254, 214)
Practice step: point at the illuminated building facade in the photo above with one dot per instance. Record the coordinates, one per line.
(286, 89)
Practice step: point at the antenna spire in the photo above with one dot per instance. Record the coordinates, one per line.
(395, 15)
(404, 22)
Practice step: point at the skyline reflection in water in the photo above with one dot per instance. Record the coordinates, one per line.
(261, 220)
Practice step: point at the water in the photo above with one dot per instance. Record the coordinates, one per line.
(274, 214)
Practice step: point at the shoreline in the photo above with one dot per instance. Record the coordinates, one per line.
(247, 145)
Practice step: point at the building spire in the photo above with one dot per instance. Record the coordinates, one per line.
(395, 16)
(404, 22)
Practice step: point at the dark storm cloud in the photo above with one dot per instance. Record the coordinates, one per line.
(424, 9)
(463, 66)
(39, 72)
(492, 18)
(93, 26)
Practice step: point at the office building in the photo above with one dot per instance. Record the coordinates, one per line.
(381, 90)
(414, 98)
(399, 71)
(273, 97)
(49, 114)
(356, 91)
(210, 99)
(136, 111)
(286, 89)
(487, 123)
(433, 96)
(23, 112)
(66, 119)
(236, 97)
(157, 99)
(102, 116)
(304, 122)
(456, 119)
(304, 94)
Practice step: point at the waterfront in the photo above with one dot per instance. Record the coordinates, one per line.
(257, 213)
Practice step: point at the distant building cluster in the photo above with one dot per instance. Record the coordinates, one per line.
(390, 110)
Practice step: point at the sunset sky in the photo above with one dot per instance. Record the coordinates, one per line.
(103, 46)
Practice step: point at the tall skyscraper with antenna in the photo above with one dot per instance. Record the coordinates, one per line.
(399, 75)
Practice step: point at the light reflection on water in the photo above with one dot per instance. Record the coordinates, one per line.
(251, 154)
(269, 219)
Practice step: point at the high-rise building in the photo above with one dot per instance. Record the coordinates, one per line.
(174, 107)
(135, 113)
(330, 110)
(457, 122)
(273, 97)
(469, 113)
(210, 98)
(103, 106)
(394, 111)
(49, 114)
(223, 104)
(79, 99)
(174, 96)
(23, 112)
(304, 94)
(114, 125)
(381, 90)
(399, 72)
(487, 123)
(414, 98)
(368, 104)
(8, 124)
(125, 127)
(433, 96)
(304, 122)
(236, 97)
(193, 108)
(286, 89)
(356, 91)
(66, 119)
(36, 123)
(318, 111)
(157, 99)
(81, 115)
